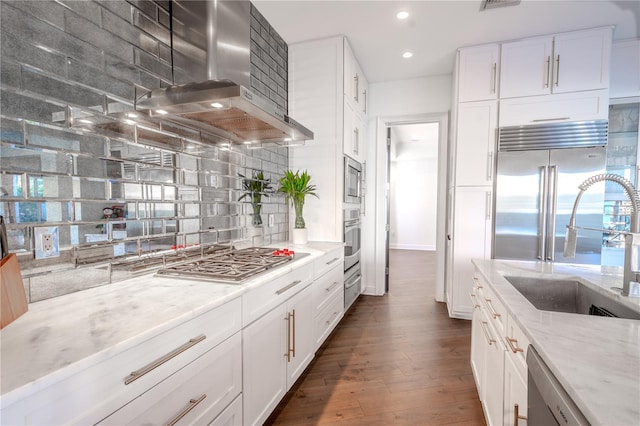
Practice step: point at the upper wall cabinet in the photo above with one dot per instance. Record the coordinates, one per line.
(625, 69)
(356, 86)
(568, 62)
(478, 69)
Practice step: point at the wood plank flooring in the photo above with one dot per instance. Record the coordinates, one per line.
(397, 359)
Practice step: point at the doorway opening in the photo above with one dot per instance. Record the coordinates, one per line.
(412, 179)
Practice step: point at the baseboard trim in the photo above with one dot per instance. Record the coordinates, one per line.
(421, 247)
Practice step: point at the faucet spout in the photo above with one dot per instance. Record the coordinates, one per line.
(631, 278)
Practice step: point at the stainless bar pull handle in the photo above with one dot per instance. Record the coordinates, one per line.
(492, 310)
(364, 107)
(193, 402)
(513, 345)
(542, 207)
(490, 165)
(557, 70)
(516, 415)
(495, 75)
(356, 140)
(487, 207)
(538, 120)
(546, 81)
(293, 333)
(287, 354)
(335, 259)
(287, 287)
(135, 375)
(552, 207)
(484, 326)
(329, 320)
(331, 287)
(356, 87)
(477, 281)
(474, 300)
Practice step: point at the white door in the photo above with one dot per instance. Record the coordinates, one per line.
(476, 143)
(526, 67)
(264, 365)
(478, 73)
(581, 60)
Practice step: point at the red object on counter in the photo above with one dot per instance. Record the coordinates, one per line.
(284, 252)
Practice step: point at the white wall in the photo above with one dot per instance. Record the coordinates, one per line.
(404, 100)
(413, 203)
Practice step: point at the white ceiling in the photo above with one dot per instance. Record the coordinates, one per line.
(435, 29)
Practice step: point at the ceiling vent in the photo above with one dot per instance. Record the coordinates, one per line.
(490, 4)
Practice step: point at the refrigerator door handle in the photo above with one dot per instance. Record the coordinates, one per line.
(552, 207)
(542, 209)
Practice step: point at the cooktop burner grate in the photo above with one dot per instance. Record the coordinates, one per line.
(234, 266)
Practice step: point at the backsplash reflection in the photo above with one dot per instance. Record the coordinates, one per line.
(110, 198)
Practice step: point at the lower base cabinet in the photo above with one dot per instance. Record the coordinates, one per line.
(277, 348)
(196, 394)
(515, 394)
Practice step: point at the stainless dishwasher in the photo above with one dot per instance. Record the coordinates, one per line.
(548, 403)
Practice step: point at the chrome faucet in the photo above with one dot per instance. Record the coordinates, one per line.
(631, 277)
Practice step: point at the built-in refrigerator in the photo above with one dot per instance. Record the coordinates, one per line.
(538, 172)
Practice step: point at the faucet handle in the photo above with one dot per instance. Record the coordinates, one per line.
(570, 242)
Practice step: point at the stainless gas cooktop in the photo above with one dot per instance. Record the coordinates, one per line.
(235, 266)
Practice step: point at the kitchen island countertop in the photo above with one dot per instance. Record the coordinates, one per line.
(596, 359)
(59, 337)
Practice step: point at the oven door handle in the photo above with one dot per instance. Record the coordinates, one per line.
(356, 279)
(352, 224)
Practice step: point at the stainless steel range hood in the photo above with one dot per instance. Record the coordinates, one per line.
(212, 51)
(212, 47)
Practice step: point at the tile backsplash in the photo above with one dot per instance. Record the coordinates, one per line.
(175, 194)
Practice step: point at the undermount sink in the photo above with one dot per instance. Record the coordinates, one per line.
(565, 295)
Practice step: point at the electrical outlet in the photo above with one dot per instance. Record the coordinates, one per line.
(46, 242)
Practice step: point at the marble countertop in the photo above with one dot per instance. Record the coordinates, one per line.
(596, 359)
(58, 337)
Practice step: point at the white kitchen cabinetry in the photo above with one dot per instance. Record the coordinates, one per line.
(578, 106)
(625, 69)
(356, 86)
(515, 394)
(476, 143)
(478, 69)
(328, 294)
(562, 63)
(471, 240)
(196, 394)
(277, 348)
(354, 132)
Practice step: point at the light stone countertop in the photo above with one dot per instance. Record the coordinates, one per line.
(596, 359)
(59, 337)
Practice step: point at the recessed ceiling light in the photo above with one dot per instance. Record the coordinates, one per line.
(403, 14)
(407, 55)
(217, 105)
(85, 121)
(161, 112)
(132, 115)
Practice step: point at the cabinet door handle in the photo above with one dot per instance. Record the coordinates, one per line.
(331, 287)
(513, 345)
(487, 207)
(335, 259)
(477, 281)
(474, 300)
(287, 287)
(495, 76)
(356, 91)
(288, 352)
(356, 140)
(490, 165)
(192, 404)
(329, 320)
(484, 326)
(516, 415)
(492, 310)
(539, 120)
(557, 70)
(546, 81)
(135, 375)
(364, 107)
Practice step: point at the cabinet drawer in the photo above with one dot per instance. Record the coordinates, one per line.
(324, 264)
(330, 316)
(195, 394)
(262, 299)
(517, 345)
(588, 105)
(100, 389)
(325, 287)
(231, 416)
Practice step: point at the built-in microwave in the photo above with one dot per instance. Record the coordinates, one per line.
(352, 181)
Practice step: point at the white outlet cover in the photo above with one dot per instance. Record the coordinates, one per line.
(40, 235)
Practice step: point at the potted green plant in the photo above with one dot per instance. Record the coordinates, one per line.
(254, 188)
(295, 187)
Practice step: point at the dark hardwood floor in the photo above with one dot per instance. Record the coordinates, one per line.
(397, 359)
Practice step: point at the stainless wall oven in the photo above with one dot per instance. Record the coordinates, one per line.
(352, 181)
(352, 275)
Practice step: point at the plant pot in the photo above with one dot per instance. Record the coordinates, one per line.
(299, 236)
